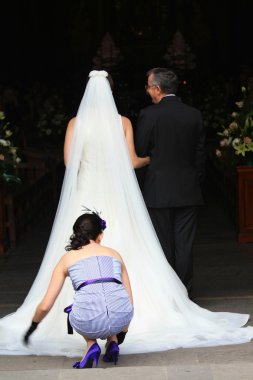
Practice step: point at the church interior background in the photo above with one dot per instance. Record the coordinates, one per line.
(48, 51)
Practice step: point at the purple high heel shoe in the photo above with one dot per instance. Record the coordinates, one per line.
(91, 357)
(111, 353)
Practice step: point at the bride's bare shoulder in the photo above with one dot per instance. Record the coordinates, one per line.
(71, 122)
(125, 120)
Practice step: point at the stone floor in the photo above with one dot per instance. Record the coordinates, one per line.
(223, 281)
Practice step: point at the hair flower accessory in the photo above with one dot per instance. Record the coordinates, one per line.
(103, 224)
(95, 212)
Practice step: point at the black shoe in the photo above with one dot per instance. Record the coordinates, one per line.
(121, 336)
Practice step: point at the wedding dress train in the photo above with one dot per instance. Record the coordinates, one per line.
(100, 176)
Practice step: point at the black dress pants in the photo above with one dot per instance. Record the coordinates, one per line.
(176, 228)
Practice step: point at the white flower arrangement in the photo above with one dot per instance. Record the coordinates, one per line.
(237, 138)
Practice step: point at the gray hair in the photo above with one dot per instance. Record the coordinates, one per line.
(166, 79)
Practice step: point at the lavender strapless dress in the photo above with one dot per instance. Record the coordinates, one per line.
(102, 309)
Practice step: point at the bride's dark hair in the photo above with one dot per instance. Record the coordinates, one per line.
(87, 227)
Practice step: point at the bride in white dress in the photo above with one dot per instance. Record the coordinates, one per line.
(99, 175)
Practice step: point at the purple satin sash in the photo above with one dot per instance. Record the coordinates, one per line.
(88, 282)
(97, 280)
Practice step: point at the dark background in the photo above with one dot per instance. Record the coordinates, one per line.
(53, 45)
(55, 42)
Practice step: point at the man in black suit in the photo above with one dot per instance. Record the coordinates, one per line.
(172, 134)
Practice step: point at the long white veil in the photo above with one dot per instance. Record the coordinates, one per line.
(99, 175)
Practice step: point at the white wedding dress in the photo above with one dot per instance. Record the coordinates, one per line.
(100, 176)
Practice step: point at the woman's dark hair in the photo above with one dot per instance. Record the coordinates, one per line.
(87, 227)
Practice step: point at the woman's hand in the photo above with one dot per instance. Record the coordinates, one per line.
(29, 332)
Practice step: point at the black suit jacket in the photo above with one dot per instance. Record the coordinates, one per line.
(172, 134)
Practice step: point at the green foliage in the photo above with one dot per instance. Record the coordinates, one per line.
(213, 106)
(8, 153)
(52, 118)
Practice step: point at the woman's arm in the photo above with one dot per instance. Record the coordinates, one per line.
(137, 162)
(54, 288)
(67, 142)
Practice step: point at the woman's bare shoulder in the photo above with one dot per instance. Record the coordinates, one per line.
(111, 252)
(71, 122)
(67, 257)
